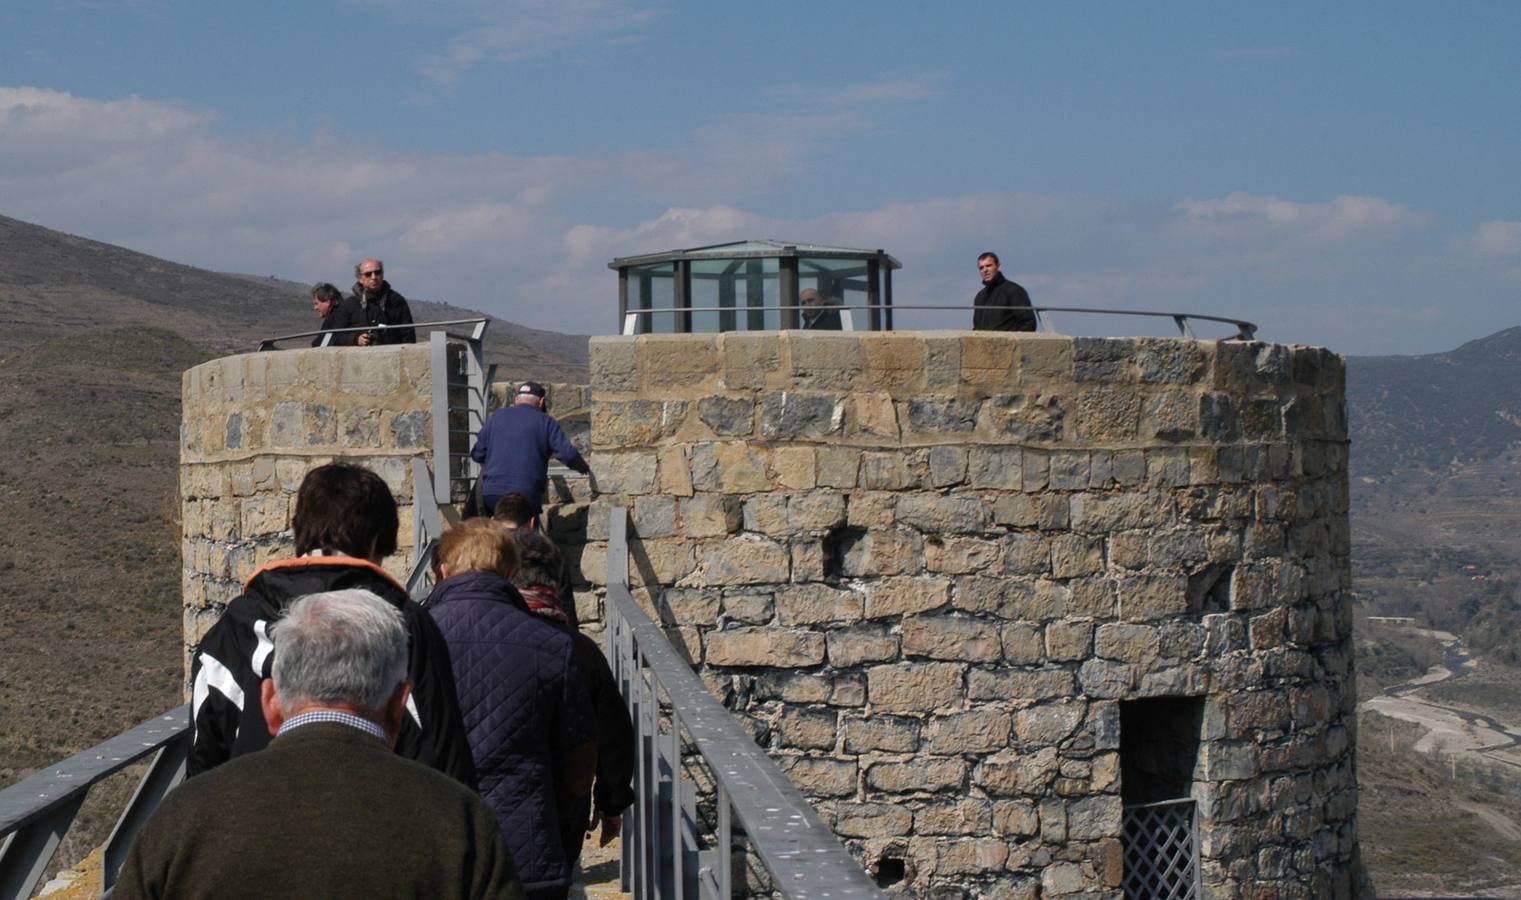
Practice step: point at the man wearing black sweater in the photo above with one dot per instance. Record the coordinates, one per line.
(1001, 305)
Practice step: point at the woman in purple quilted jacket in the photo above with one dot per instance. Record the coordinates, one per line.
(525, 700)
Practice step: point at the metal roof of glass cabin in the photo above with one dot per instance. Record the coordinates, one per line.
(757, 248)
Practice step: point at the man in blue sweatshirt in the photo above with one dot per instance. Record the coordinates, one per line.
(515, 446)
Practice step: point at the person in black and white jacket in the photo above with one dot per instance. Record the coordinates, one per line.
(345, 523)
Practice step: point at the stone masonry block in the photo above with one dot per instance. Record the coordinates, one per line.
(1039, 416)
(611, 365)
(743, 559)
(815, 604)
(905, 595)
(854, 646)
(824, 361)
(889, 734)
(749, 359)
(957, 513)
(1023, 643)
(820, 776)
(883, 552)
(1074, 555)
(1147, 597)
(1069, 641)
(815, 510)
(788, 415)
(942, 415)
(666, 360)
(872, 414)
(894, 361)
(976, 731)
(838, 466)
(1106, 414)
(1139, 644)
(927, 776)
(765, 646)
(627, 473)
(1049, 723)
(996, 467)
(810, 729)
(915, 687)
(710, 515)
(727, 416)
(959, 554)
(871, 820)
(730, 468)
(795, 467)
(948, 466)
(951, 638)
(961, 817)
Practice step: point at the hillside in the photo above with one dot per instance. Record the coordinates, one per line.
(1426, 412)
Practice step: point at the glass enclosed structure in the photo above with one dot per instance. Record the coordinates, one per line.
(755, 286)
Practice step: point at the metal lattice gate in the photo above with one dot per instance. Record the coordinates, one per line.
(1162, 851)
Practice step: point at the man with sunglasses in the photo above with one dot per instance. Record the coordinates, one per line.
(375, 304)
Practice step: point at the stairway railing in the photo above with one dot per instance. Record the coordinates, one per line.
(37, 812)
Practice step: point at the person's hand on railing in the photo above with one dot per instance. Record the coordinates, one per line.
(612, 826)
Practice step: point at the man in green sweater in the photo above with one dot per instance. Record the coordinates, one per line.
(327, 809)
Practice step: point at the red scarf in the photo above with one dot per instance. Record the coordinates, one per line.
(542, 600)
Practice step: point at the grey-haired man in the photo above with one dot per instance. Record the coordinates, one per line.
(327, 810)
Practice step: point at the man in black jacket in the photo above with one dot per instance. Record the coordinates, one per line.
(345, 523)
(1001, 305)
(375, 304)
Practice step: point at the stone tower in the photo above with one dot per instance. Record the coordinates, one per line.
(1000, 604)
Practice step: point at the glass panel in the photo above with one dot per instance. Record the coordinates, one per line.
(839, 283)
(728, 295)
(653, 287)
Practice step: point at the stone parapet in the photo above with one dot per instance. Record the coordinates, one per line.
(255, 424)
(933, 570)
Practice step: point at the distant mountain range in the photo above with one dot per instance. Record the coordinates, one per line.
(1427, 412)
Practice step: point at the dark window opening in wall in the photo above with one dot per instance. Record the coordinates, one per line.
(838, 544)
(1209, 590)
(1159, 747)
(889, 871)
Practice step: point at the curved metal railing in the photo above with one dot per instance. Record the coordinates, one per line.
(1245, 331)
(477, 331)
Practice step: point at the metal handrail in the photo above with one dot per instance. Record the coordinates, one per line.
(662, 856)
(1245, 331)
(476, 333)
(36, 812)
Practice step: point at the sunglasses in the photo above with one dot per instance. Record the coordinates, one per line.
(375, 274)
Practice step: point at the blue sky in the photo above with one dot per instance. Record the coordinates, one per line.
(1344, 174)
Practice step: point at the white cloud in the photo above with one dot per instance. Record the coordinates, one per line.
(1338, 219)
(1498, 238)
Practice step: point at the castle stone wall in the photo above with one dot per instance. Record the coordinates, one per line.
(930, 571)
(255, 424)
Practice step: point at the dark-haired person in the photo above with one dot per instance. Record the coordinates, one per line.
(328, 810)
(376, 304)
(538, 565)
(1001, 305)
(526, 701)
(326, 300)
(345, 524)
(514, 511)
(515, 446)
